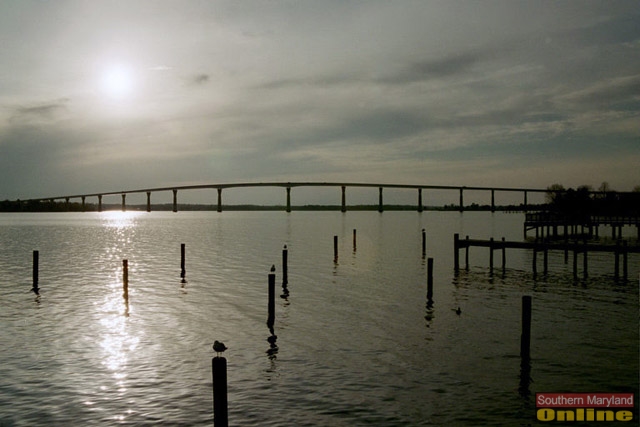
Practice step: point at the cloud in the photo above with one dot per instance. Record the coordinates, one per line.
(198, 80)
(39, 112)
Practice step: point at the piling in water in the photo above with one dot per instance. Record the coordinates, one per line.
(335, 248)
(424, 242)
(456, 259)
(125, 280)
(272, 299)
(183, 271)
(285, 266)
(36, 258)
(354, 240)
(219, 370)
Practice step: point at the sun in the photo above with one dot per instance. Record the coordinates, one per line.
(118, 81)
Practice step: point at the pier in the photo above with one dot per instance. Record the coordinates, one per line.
(553, 225)
(621, 248)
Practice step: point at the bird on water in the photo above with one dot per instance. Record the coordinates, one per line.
(219, 347)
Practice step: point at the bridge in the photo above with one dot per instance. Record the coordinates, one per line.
(289, 185)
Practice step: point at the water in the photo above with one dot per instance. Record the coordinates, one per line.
(357, 344)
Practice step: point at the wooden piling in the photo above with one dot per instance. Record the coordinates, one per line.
(354, 240)
(456, 259)
(335, 248)
(183, 271)
(545, 259)
(285, 266)
(125, 280)
(272, 298)
(219, 371)
(466, 254)
(424, 242)
(575, 262)
(525, 337)
(430, 280)
(534, 266)
(35, 272)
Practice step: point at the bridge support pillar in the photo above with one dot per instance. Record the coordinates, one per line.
(461, 208)
(380, 206)
(344, 199)
(148, 201)
(100, 203)
(83, 206)
(420, 208)
(124, 205)
(493, 200)
(288, 199)
(219, 199)
(175, 200)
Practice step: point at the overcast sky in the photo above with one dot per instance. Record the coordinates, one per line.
(118, 95)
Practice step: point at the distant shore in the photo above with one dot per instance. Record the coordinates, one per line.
(10, 206)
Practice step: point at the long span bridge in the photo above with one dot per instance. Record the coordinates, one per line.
(289, 185)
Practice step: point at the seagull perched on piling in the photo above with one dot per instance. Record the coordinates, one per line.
(219, 347)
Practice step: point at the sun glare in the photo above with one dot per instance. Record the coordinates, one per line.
(118, 81)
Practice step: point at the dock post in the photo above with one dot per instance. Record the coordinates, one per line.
(219, 199)
(525, 337)
(335, 248)
(285, 265)
(534, 265)
(148, 201)
(525, 201)
(504, 256)
(430, 280)
(124, 207)
(380, 208)
(219, 371)
(344, 199)
(125, 281)
(424, 242)
(272, 299)
(354, 240)
(461, 207)
(575, 260)
(83, 206)
(456, 259)
(183, 271)
(99, 202)
(491, 255)
(420, 207)
(35, 272)
(545, 258)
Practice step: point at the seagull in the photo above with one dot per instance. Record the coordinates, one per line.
(458, 311)
(219, 347)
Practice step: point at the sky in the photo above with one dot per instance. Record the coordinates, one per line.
(121, 95)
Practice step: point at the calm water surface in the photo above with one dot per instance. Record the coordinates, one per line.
(357, 344)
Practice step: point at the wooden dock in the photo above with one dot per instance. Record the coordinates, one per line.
(550, 224)
(620, 249)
